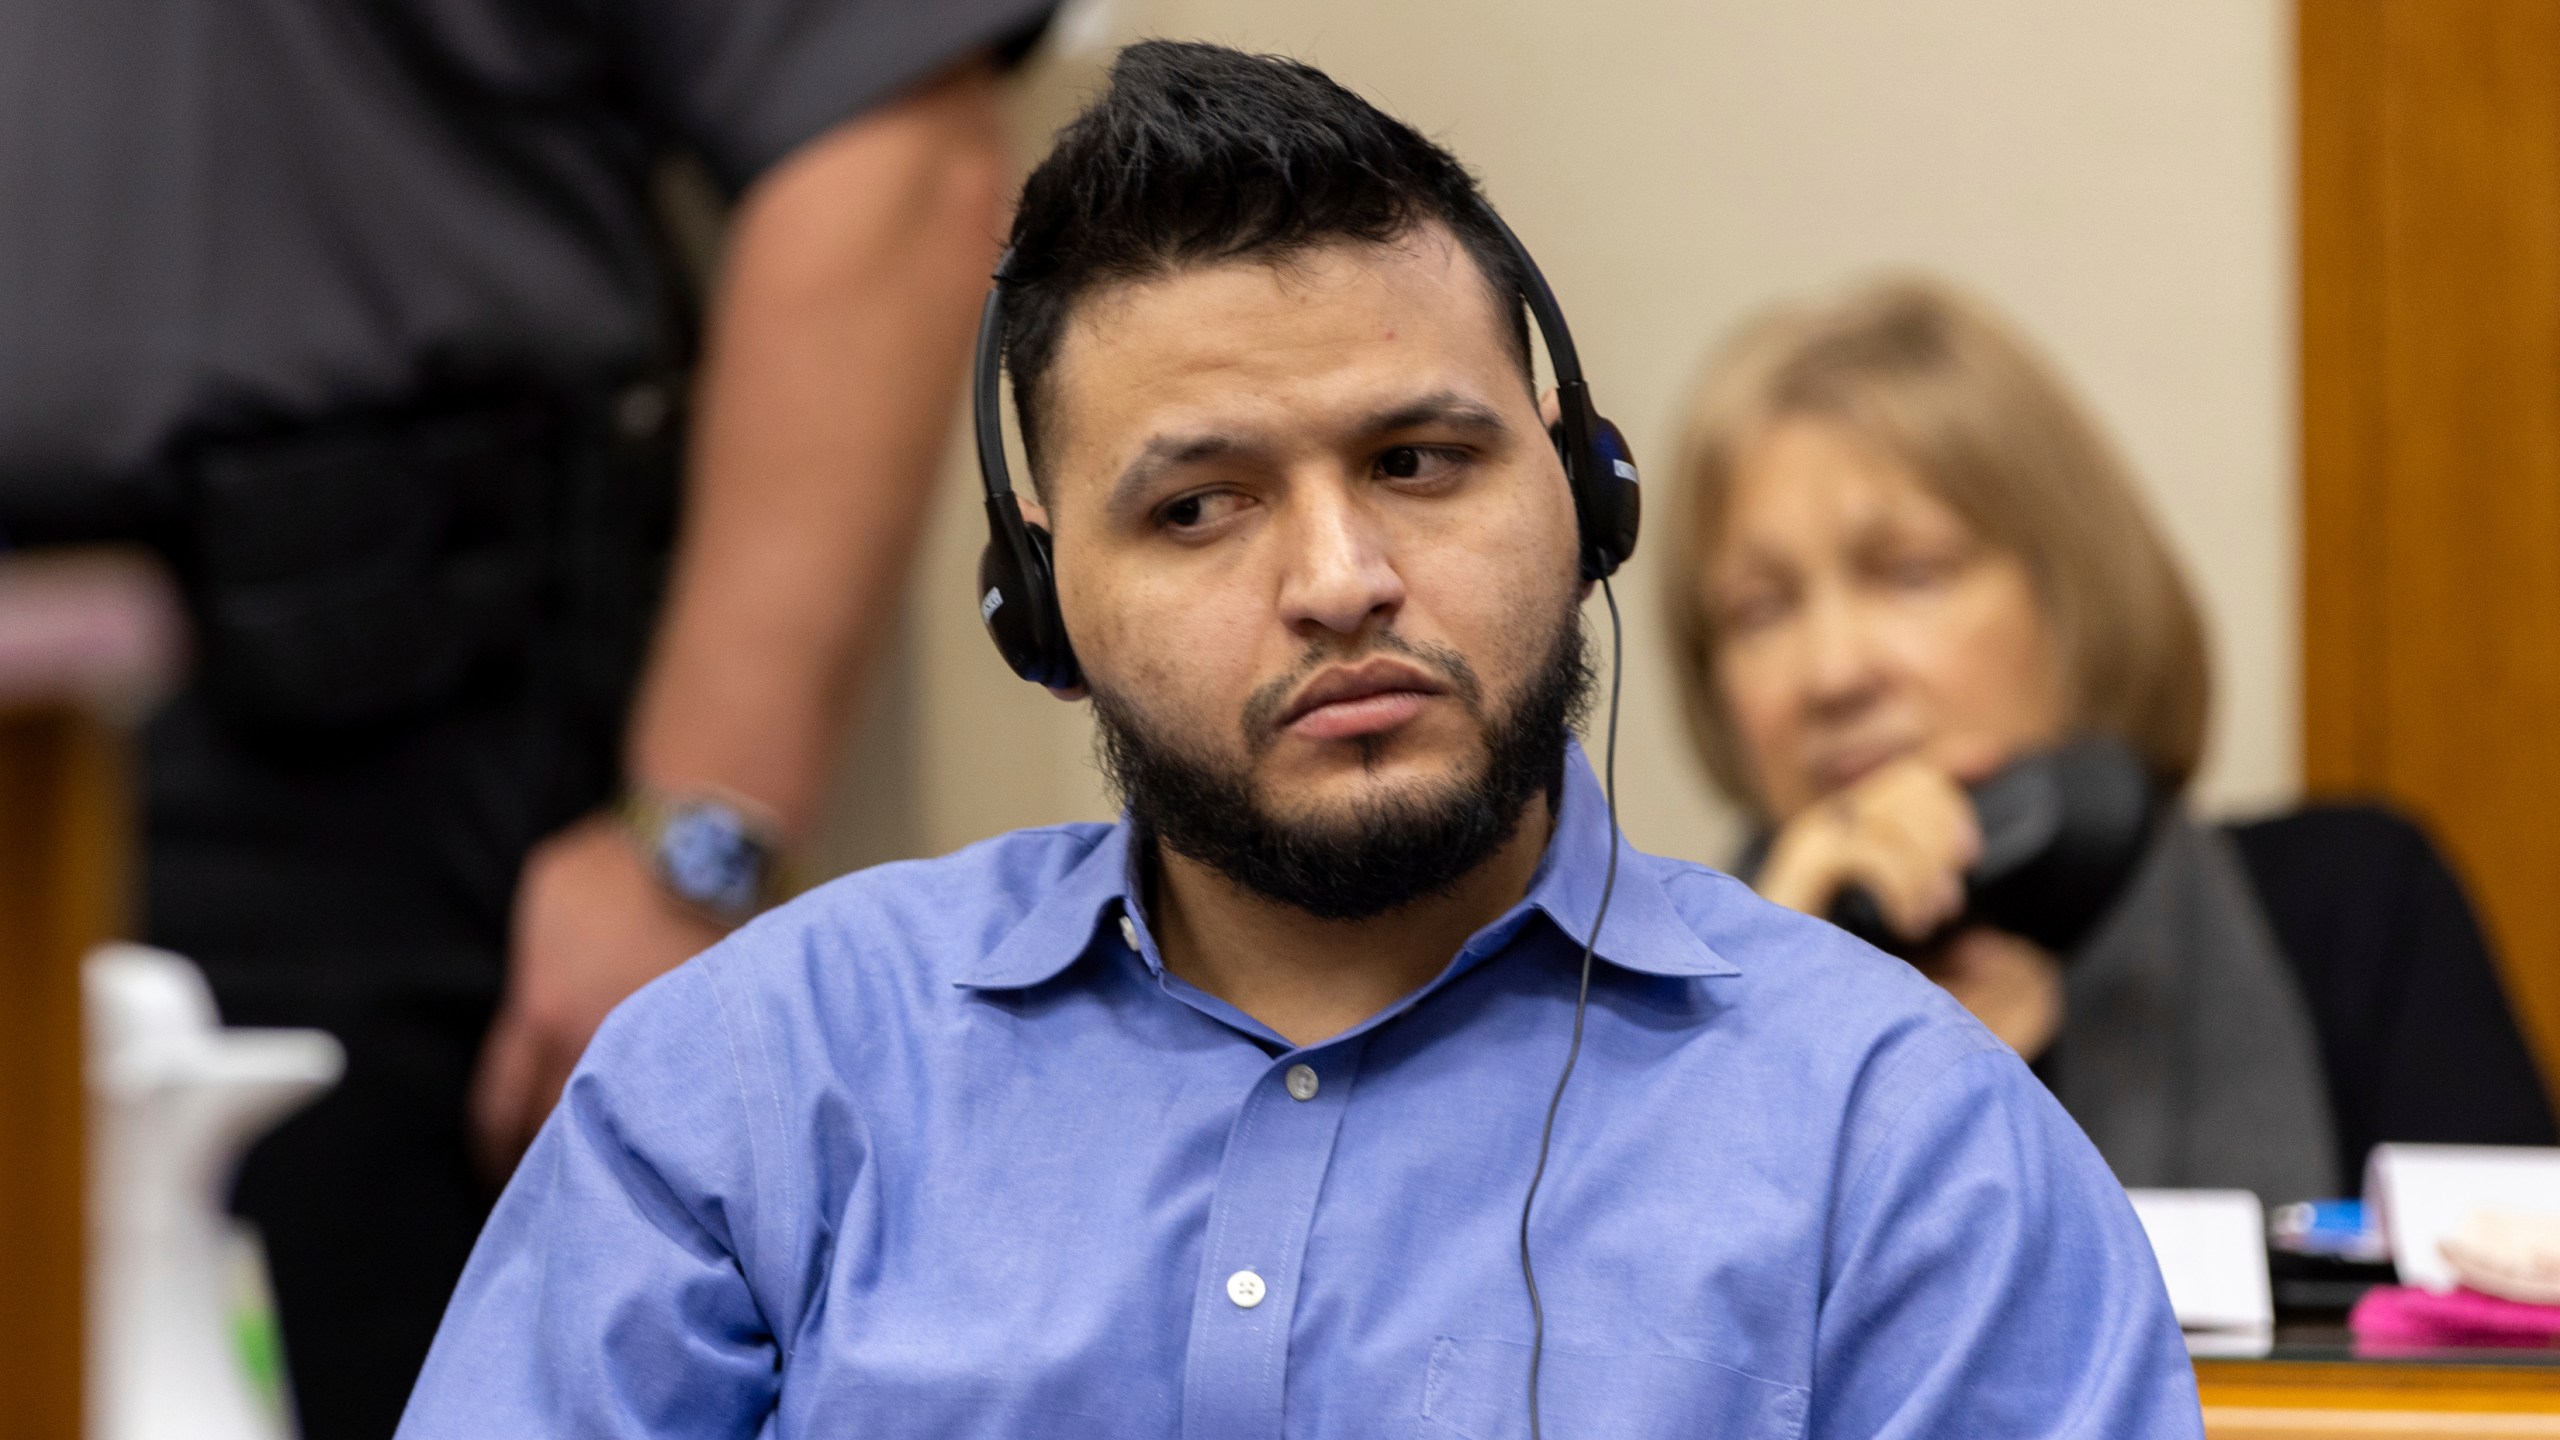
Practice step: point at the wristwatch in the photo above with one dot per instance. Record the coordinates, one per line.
(710, 852)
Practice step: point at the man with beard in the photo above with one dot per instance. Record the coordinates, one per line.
(1222, 1121)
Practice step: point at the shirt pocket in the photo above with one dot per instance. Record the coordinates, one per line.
(1479, 1389)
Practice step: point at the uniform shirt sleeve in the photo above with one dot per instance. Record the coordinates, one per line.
(1986, 1276)
(748, 81)
(608, 1295)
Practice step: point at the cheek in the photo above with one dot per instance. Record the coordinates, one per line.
(1500, 613)
(1756, 679)
(2012, 660)
(1758, 682)
(1494, 582)
(1996, 683)
(1183, 657)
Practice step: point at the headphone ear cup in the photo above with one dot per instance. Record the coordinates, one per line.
(1617, 499)
(1059, 668)
(1608, 504)
(1002, 608)
(1018, 602)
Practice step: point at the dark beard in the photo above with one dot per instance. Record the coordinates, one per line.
(1387, 852)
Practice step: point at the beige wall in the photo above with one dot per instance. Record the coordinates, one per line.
(2115, 176)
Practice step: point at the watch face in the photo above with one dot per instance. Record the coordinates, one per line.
(709, 859)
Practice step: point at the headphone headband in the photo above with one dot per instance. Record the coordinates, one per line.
(1018, 597)
(1562, 358)
(986, 398)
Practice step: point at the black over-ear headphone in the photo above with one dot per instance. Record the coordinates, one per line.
(1018, 593)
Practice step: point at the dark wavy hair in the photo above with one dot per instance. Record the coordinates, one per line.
(1198, 154)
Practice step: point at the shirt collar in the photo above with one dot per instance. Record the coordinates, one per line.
(1061, 927)
(1643, 931)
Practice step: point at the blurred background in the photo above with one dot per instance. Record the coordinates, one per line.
(2301, 262)
(2118, 178)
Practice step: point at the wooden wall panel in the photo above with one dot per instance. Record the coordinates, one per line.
(2430, 187)
(62, 856)
(2340, 64)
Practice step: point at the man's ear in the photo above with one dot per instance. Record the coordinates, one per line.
(1068, 693)
(1550, 409)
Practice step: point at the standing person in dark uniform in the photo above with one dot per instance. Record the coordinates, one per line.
(358, 313)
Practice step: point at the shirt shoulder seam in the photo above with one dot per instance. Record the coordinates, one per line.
(750, 1264)
(1967, 1049)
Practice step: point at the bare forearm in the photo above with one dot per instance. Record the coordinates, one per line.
(834, 352)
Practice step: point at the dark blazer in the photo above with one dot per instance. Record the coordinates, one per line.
(2415, 1033)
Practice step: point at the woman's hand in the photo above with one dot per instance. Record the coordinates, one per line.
(2013, 986)
(1905, 833)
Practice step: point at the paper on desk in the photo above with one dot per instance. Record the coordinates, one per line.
(2212, 1248)
(2422, 1193)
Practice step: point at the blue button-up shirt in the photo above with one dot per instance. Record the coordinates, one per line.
(943, 1149)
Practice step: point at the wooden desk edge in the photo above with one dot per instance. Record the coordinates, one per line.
(2346, 1400)
(2251, 1422)
(2378, 1385)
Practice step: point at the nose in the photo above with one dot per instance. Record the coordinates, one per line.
(1338, 575)
(1841, 673)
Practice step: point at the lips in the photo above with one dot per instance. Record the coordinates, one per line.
(1847, 765)
(1369, 698)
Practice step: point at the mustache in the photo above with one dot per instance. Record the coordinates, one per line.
(1262, 709)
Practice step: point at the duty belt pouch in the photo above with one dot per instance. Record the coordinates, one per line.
(362, 570)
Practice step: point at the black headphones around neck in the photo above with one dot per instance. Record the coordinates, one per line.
(1018, 593)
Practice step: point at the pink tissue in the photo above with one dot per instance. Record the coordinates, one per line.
(2391, 1316)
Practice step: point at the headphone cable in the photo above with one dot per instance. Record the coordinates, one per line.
(1581, 1004)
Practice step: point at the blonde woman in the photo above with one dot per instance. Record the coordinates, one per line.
(1902, 558)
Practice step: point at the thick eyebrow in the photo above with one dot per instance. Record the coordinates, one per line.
(1169, 452)
(1441, 407)
(1166, 452)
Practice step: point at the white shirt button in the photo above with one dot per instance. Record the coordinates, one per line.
(1245, 1288)
(1301, 1081)
(1129, 931)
